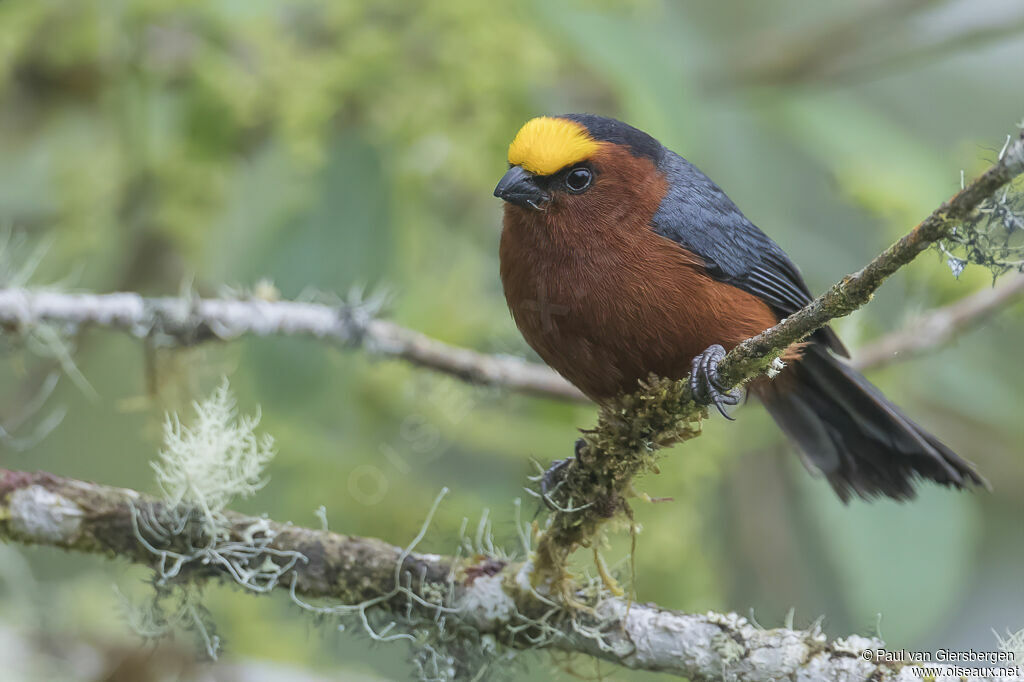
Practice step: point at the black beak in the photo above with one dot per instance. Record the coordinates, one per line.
(520, 188)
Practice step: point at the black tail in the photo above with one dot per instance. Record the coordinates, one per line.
(863, 443)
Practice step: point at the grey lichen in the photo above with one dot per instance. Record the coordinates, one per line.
(728, 648)
(39, 515)
(855, 645)
(486, 604)
(993, 235)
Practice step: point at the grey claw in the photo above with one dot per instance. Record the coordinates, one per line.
(705, 383)
(552, 477)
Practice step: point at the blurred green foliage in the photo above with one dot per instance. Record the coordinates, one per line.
(156, 144)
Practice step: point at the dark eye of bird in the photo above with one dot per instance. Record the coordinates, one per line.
(578, 179)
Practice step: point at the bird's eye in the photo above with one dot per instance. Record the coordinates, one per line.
(579, 179)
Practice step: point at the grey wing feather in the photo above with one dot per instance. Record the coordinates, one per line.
(698, 215)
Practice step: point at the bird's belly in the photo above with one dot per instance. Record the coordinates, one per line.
(602, 361)
(606, 328)
(605, 336)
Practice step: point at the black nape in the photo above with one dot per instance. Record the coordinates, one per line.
(612, 130)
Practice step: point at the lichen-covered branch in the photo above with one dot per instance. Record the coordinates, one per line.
(179, 322)
(632, 429)
(842, 298)
(479, 597)
(42, 508)
(188, 321)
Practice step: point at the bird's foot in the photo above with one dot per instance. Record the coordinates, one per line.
(705, 383)
(555, 474)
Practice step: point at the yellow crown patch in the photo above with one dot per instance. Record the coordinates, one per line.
(545, 145)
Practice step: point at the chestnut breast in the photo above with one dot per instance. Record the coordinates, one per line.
(603, 299)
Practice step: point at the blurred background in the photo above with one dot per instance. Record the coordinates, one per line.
(325, 146)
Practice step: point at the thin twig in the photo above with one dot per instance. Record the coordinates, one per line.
(853, 291)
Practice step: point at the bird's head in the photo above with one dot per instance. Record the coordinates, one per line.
(580, 166)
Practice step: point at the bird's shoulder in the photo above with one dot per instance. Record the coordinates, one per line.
(699, 216)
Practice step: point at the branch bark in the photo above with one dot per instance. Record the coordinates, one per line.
(853, 291)
(186, 322)
(483, 596)
(179, 322)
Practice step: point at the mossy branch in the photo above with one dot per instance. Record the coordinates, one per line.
(633, 428)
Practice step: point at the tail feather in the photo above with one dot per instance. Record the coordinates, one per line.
(848, 430)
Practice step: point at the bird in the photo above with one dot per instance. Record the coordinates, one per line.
(620, 259)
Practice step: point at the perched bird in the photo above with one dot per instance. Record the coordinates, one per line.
(619, 259)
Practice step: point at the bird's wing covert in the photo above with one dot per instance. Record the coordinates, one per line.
(700, 217)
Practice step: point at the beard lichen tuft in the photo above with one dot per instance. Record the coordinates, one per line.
(202, 467)
(992, 236)
(217, 458)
